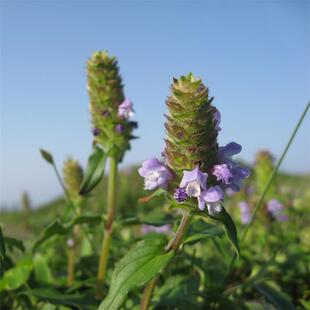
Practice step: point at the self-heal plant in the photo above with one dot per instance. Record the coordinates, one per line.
(196, 170)
(112, 132)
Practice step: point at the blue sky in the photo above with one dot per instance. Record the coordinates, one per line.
(253, 56)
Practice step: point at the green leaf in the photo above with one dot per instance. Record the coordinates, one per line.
(2, 245)
(278, 299)
(16, 276)
(47, 156)
(42, 270)
(94, 171)
(230, 228)
(58, 228)
(57, 298)
(55, 228)
(210, 232)
(14, 243)
(142, 263)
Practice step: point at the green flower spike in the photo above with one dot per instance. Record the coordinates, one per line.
(111, 129)
(191, 127)
(73, 176)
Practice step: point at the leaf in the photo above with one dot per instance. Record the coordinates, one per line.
(142, 263)
(278, 299)
(42, 270)
(57, 298)
(14, 243)
(47, 156)
(2, 245)
(207, 233)
(94, 171)
(55, 228)
(230, 228)
(16, 276)
(58, 228)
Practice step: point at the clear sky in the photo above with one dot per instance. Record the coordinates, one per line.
(253, 56)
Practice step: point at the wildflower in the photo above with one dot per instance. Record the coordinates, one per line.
(155, 174)
(180, 195)
(96, 132)
(119, 128)
(195, 184)
(245, 212)
(229, 172)
(125, 109)
(164, 229)
(275, 208)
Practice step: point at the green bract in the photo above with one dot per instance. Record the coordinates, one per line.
(191, 128)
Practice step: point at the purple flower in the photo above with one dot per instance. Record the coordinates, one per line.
(195, 184)
(275, 208)
(223, 173)
(155, 174)
(245, 212)
(180, 195)
(228, 172)
(226, 152)
(96, 131)
(164, 229)
(217, 120)
(125, 109)
(119, 128)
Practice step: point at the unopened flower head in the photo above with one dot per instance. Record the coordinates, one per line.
(73, 176)
(109, 109)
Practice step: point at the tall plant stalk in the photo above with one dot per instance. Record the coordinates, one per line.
(105, 248)
(173, 246)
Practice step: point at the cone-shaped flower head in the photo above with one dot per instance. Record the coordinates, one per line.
(192, 127)
(110, 112)
(73, 176)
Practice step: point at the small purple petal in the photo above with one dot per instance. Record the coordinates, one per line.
(180, 195)
(164, 229)
(223, 173)
(105, 113)
(125, 109)
(96, 131)
(213, 194)
(155, 174)
(119, 128)
(245, 212)
(201, 203)
(194, 175)
(217, 120)
(227, 151)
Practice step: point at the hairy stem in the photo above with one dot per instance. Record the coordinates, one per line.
(173, 246)
(105, 248)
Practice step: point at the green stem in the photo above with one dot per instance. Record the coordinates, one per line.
(105, 248)
(70, 267)
(270, 180)
(72, 206)
(173, 246)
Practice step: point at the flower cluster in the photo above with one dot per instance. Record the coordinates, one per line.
(110, 111)
(275, 209)
(193, 166)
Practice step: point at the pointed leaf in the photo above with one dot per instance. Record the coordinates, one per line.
(16, 276)
(230, 228)
(140, 265)
(278, 299)
(94, 171)
(14, 243)
(47, 156)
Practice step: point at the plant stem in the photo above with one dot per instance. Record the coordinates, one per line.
(73, 208)
(270, 180)
(173, 246)
(105, 248)
(70, 267)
